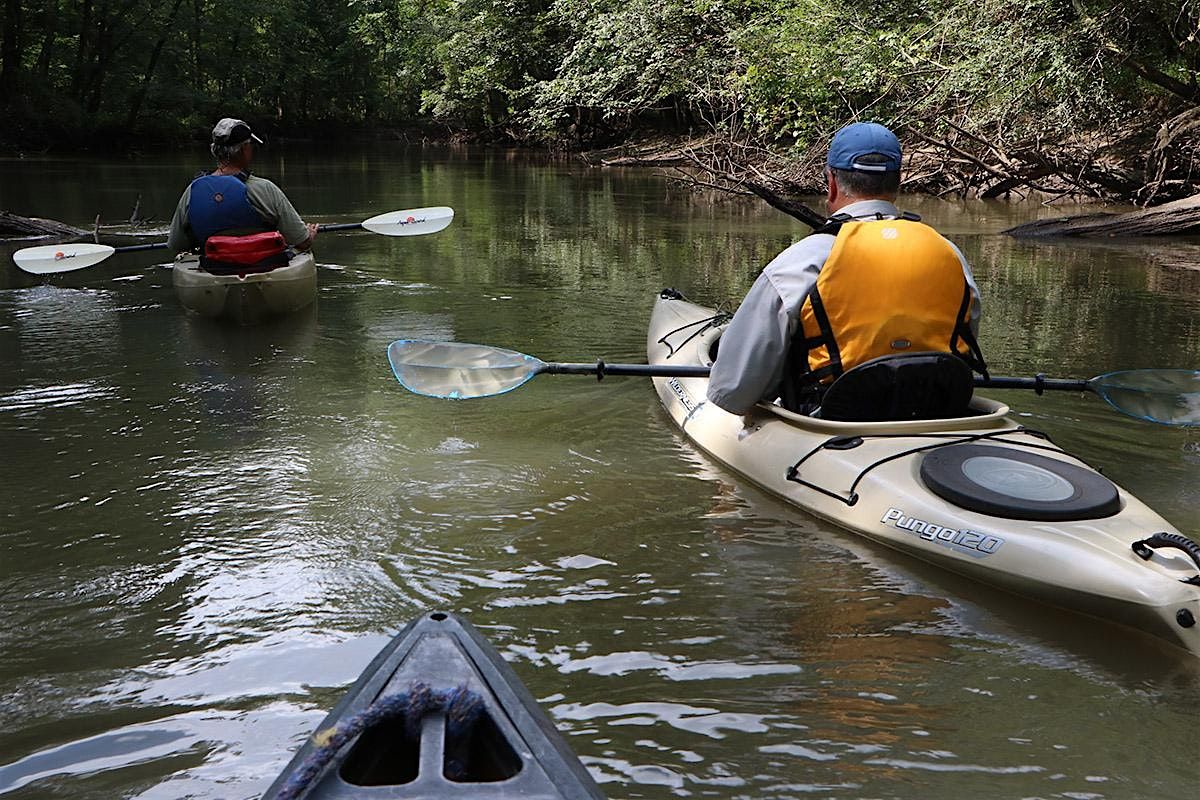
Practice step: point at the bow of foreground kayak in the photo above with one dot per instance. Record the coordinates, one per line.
(980, 495)
(438, 713)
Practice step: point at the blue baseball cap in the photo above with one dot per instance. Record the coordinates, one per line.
(860, 139)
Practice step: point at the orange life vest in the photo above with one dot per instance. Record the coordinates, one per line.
(889, 286)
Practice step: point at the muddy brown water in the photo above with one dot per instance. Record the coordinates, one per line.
(206, 532)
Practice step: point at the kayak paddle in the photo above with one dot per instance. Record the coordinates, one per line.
(459, 371)
(54, 258)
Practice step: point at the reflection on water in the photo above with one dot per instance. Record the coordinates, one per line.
(207, 531)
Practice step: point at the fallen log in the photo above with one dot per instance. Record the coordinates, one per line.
(1177, 218)
(14, 226)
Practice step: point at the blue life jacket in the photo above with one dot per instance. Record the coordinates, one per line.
(219, 203)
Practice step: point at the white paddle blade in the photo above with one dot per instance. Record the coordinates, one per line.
(51, 258)
(458, 371)
(1165, 396)
(413, 222)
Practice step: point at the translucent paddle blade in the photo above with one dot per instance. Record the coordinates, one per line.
(457, 371)
(1165, 396)
(413, 222)
(51, 258)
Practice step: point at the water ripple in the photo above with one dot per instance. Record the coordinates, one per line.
(710, 722)
(36, 398)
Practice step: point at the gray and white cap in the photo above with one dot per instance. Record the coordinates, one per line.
(233, 131)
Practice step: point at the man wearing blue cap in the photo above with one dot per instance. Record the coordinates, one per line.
(231, 201)
(871, 284)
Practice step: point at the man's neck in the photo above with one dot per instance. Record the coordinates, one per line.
(228, 169)
(845, 200)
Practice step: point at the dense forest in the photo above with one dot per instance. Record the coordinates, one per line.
(991, 96)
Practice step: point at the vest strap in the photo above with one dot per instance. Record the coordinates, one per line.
(835, 356)
(962, 330)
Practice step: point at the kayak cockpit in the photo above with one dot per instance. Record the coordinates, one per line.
(986, 414)
(982, 413)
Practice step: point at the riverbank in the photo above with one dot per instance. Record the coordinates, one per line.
(1145, 162)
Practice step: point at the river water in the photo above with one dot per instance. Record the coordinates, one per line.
(207, 532)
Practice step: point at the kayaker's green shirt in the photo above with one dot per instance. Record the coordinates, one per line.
(267, 199)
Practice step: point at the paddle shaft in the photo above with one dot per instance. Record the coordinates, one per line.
(1039, 383)
(134, 248)
(600, 369)
(337, 226)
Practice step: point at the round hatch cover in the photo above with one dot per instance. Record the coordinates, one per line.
(1007, 482)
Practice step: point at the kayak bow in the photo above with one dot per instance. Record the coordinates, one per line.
(438, 713)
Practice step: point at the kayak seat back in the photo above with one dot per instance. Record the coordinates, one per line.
(901, 387)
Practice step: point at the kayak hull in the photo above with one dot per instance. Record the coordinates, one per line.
(246, 299)
(874, 487)
(509, 749)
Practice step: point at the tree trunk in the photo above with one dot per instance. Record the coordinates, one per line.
(81, 50)
(1178, 218)
(49, 18)
(139, 97)
(10, 50)
(99, 71)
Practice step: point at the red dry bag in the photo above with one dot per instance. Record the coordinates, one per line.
(258, 252)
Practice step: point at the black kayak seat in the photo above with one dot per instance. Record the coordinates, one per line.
(903, 386)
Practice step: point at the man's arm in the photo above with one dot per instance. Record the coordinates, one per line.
(180, 238)
(753, 350)
(751, 354)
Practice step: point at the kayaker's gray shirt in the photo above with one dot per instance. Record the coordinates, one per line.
(266, 198)
(753, 349)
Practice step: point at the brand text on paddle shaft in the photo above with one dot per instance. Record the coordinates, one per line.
(974, 544)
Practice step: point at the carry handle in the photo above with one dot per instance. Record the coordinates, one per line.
(1144, 548)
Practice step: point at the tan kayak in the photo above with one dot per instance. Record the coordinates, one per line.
(981, 495)
(246, 299)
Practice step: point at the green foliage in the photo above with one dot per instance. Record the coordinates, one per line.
(774, 71)
(490, 52)
(122, 70)
(630, 60)
(1029, 65)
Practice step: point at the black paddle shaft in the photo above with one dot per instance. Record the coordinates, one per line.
(133, 248)
(337, 226)
(600, 369)
(1039, 383)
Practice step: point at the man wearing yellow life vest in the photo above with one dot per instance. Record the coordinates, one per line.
(872, 282)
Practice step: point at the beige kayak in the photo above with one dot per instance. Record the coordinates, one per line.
(981, 495)
(246, 299)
